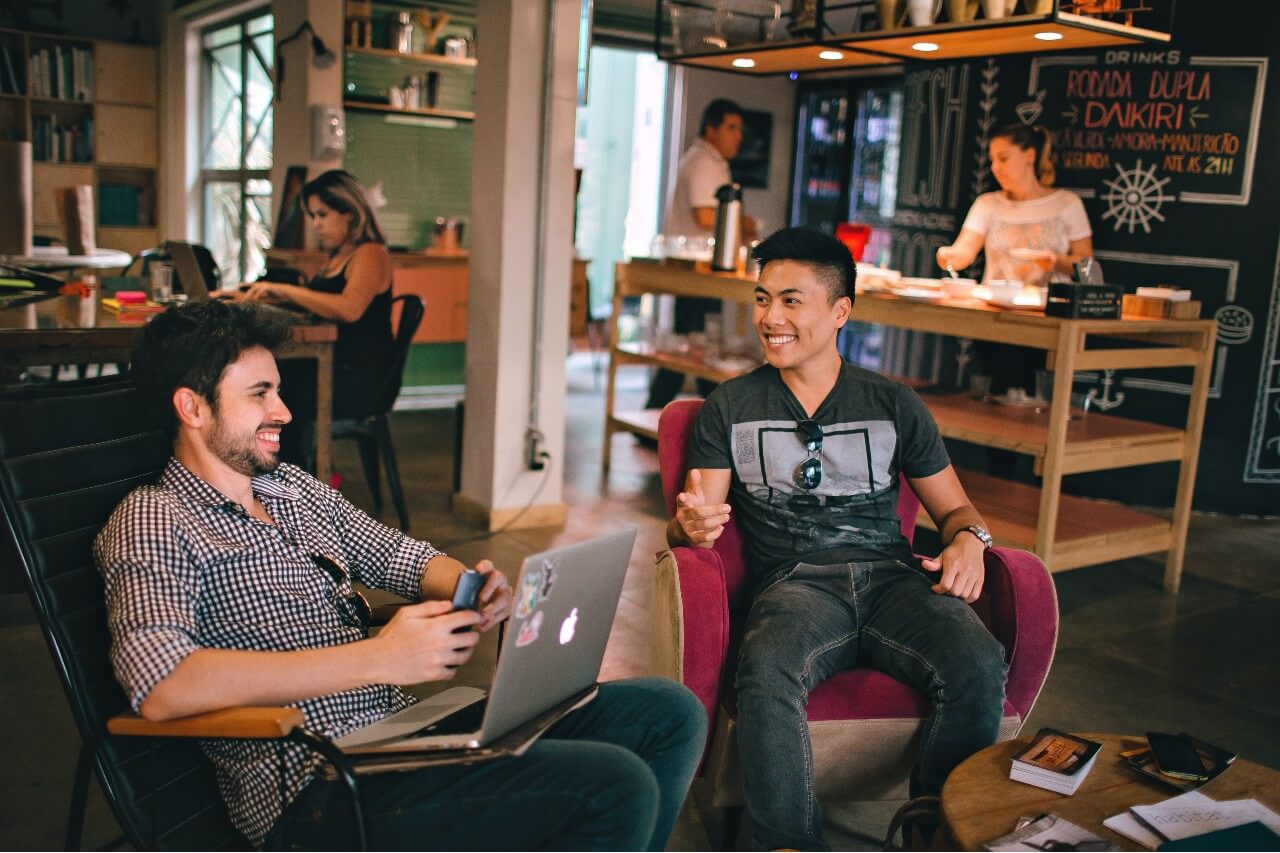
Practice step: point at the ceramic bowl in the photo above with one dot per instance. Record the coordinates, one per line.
(1004, 289)
(958, 288)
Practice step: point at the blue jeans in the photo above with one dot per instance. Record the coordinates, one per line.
(818, 620)
(610, 776)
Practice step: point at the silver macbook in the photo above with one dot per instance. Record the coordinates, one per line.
(565, 601)
(187, 268)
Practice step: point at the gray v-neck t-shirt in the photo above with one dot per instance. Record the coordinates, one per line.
(873, 429)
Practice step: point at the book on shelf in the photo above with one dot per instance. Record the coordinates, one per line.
(61, 73)
(1055, 760)
(9, 84)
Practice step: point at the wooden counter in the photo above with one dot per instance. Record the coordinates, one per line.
(1066, 532)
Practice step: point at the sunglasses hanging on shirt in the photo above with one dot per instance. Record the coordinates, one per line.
(357, 605)
(808, 474)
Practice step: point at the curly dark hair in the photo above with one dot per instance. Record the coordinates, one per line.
(828, 256)
(189, 346)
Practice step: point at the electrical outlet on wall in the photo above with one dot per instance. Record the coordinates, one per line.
(328, 132)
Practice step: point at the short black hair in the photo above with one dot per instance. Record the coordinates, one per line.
(190, 346)
(716, 111)
(828, 256)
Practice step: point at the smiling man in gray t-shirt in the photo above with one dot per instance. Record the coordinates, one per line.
(807, 450)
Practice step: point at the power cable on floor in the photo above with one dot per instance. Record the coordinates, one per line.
(480, 537)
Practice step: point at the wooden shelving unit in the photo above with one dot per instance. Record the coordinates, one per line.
(459, 115)
(423, 58)
(1066, 532)
(119, 98)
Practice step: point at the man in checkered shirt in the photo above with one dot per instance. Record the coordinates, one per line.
(228, 583)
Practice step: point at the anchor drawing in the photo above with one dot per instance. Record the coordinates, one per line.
(1105, 401)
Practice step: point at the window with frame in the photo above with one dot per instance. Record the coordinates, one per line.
(236, 142)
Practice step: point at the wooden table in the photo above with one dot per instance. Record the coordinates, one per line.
(78, 330)
(1066, 532)
(980, 802)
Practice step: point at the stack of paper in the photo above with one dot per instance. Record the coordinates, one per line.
(1049, 832)
(1186, 816)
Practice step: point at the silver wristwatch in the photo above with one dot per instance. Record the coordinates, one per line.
(980, 532)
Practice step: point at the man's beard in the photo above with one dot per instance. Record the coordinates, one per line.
(242, 455)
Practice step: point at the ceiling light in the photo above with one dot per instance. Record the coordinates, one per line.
(925, 46)
(1049, 35)
(832, 55)
(744, 63)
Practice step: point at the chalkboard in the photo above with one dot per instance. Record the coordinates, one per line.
(1165, 145)
(1144, 128)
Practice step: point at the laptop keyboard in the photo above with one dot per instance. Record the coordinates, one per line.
(463, 721)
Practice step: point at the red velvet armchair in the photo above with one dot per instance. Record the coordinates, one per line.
(863, 724)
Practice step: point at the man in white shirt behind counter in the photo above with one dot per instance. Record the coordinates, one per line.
(691, 215)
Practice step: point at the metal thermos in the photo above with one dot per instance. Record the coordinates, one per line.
(728, 227)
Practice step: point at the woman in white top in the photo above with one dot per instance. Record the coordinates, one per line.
(1049, 226)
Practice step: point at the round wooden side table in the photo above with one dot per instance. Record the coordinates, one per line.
(980, 802)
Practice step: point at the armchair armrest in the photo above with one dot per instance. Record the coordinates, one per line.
(1020, 605)
(244, 723)
(697, 609)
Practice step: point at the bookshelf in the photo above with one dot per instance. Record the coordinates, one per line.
(89, 108)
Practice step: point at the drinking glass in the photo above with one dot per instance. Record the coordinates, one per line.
(161, 282)
(980, 385)
(713, 328)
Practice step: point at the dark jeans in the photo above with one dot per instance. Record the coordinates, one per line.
(610, 776)
(819, 620)
(690, 316)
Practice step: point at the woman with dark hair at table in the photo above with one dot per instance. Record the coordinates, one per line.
(354, 289)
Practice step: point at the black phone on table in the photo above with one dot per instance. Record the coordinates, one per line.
(1176, 756)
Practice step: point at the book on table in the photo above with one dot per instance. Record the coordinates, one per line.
(1055, 760)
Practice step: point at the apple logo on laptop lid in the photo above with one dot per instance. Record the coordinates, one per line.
(568, 626)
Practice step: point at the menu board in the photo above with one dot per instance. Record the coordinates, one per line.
(1150, 126)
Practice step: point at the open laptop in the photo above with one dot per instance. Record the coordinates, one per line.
(195, 282)
(565, 601)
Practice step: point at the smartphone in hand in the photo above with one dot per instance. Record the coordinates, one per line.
(467, 593)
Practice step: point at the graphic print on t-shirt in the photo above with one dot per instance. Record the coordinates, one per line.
(856, 460)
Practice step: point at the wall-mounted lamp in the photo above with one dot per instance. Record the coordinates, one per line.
(321, 56)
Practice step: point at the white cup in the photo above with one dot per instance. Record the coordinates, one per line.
(922, 13)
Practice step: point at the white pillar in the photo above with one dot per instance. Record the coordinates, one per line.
(304, 86)
(505, 210)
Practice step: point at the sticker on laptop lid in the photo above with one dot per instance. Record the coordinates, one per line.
(547, 575)
(527, 600)
(529, 630)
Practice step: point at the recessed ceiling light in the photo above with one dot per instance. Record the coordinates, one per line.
(925, 46)
(832, 55)
(1049, 35)
(744, 63)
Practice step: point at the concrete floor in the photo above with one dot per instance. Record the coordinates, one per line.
(1130, 658)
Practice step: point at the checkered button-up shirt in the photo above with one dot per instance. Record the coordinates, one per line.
(187, 568)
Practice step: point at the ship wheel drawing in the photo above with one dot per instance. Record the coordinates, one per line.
(1135, 197)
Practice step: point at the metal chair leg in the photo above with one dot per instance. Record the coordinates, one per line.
(382, 432)
(79, 797)
(343, 767)
(368, 447)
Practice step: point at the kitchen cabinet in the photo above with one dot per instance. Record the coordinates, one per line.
(1065, 531)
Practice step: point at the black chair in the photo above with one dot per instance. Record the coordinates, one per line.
(69, 453)
(373, 432)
